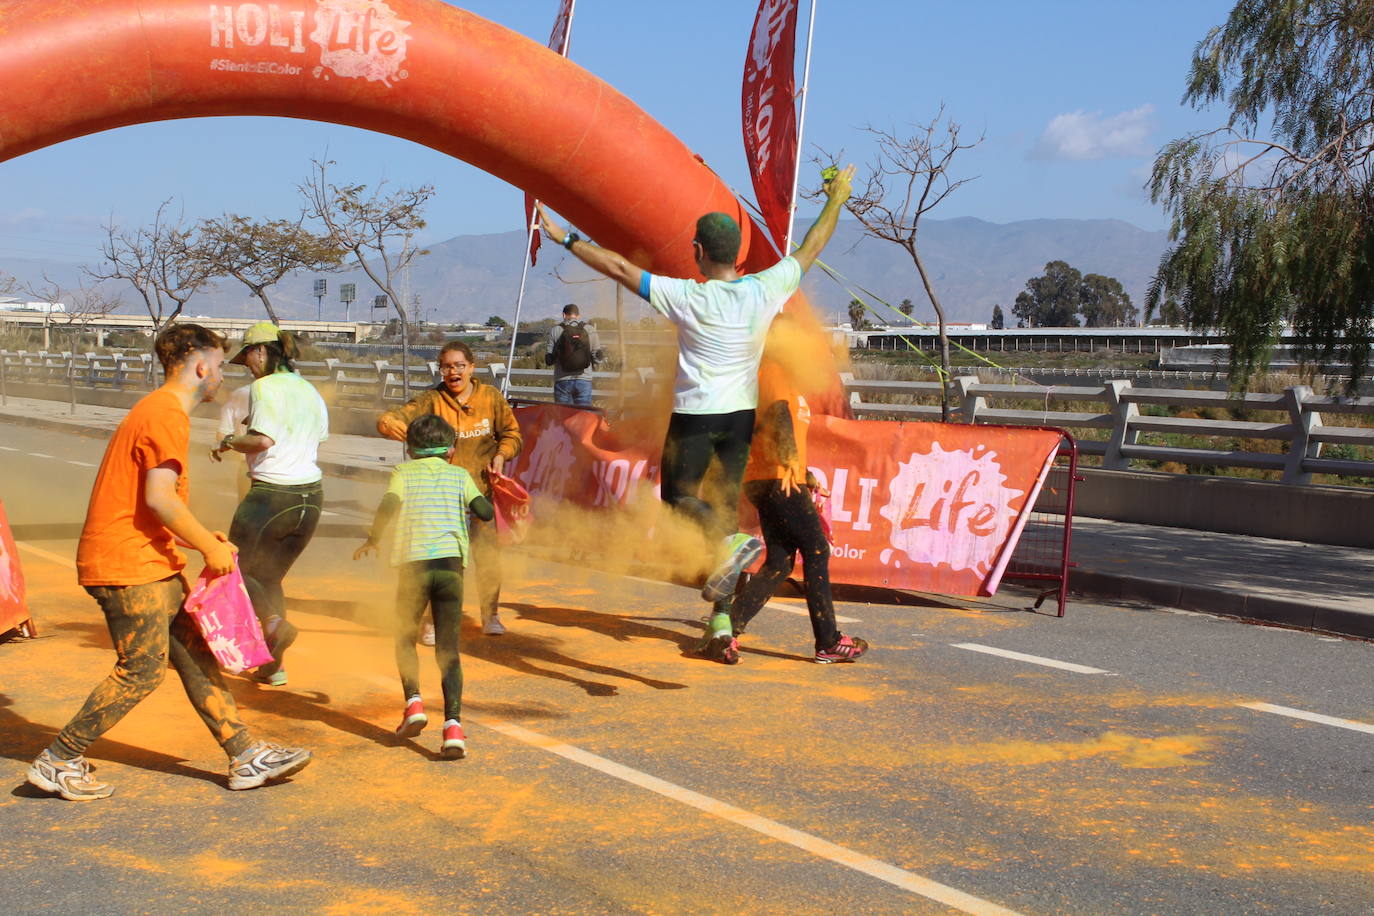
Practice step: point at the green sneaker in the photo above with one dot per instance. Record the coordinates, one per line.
(719, 642)
(740, 550)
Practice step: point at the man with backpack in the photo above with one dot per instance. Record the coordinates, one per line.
(572, 348)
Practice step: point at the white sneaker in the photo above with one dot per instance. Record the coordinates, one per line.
(264, 761)
(427, 634)
(70, 779)
(493, 626)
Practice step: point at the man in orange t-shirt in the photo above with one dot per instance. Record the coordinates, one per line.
(128, 561)
(777, 483)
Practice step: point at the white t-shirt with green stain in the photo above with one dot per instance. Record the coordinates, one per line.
(288, 409)
(721, 327)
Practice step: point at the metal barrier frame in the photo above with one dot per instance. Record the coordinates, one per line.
(1059, 573)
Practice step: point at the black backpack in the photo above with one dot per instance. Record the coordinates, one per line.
(573, 351)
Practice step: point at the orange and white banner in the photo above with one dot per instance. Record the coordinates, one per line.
(13, 609)
(926, 507)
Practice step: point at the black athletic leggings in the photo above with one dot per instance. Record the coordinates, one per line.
(271, 527)
(438, 583)
(692, 440)
(790, 524)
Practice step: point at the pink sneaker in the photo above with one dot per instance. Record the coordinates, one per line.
(413, 720)
(455, 744)
(846, 649)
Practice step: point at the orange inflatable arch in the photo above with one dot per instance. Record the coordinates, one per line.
(417, 69)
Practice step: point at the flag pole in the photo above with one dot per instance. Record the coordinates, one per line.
(801, 127)
(567, 36)
(529, 236)
(520, 299)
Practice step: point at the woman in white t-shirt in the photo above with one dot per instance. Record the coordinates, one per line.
(286, 422)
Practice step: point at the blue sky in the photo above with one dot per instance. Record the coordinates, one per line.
(1074, 97)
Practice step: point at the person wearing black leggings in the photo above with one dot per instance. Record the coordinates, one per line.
(779, 486)
(287, 420)
(721, 325)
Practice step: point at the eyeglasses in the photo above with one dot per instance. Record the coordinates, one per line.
(454, 367)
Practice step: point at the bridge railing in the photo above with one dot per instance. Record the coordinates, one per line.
(1121, 423)
(1114, 420)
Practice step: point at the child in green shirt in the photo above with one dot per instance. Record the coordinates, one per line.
(433, 499)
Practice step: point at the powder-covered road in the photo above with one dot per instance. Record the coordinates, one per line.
(1124, 759)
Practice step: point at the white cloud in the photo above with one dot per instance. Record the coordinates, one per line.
(1082, 135)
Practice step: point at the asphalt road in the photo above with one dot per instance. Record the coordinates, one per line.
(1125, 759)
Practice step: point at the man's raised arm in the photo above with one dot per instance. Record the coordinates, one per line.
(837, 192)
(602, 260)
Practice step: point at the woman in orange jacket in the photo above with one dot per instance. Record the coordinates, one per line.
(488, 438)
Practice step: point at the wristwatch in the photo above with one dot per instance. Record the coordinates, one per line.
(570, 238)
(224, 443)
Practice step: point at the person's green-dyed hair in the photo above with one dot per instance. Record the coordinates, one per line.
(719, 236)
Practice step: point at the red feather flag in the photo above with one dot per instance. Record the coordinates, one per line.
(770, 112)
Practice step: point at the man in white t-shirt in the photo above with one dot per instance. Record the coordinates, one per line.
(721, 327)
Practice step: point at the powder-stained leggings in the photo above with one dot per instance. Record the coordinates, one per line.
(692, 441)
(147, 627)
(438, 583)
(271, 527)
(486, 560)
(790, 524)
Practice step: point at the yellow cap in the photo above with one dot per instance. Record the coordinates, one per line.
(260, 333)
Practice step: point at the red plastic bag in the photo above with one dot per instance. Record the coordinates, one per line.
(223, 612)
(512, 502)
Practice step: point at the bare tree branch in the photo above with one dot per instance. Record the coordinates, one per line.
(367, 226)
(921, 164)
(159, 260)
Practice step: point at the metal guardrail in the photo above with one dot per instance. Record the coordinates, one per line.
(350, 384)
(1302, 424)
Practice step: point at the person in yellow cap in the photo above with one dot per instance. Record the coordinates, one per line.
(286, 422)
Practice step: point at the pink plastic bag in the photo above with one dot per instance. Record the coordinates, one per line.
(512, 502)
(224, 613)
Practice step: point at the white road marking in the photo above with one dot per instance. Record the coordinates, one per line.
(1032, 659)
(8, 449)
(327, 512)
(39, 455)
(777, 606)
(803, 612)
(46, 554)
(807, 842)
(84, 464)
(1311, 717)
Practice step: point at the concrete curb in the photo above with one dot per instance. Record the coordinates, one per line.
(1302, 615)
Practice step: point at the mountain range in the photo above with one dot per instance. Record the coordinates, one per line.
(973, 264)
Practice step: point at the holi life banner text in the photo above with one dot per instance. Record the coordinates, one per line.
(13, 608)
(927, 507)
